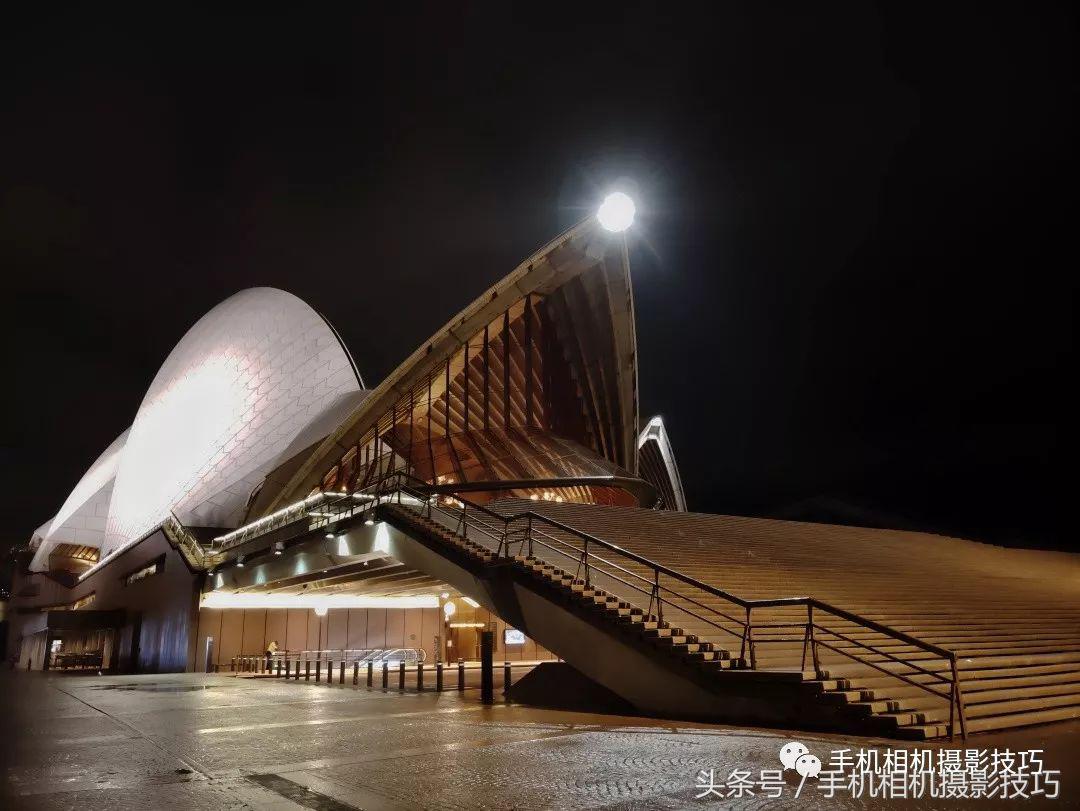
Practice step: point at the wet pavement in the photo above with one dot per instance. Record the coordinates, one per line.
(205, 742)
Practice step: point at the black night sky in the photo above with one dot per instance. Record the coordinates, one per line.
(854, 262)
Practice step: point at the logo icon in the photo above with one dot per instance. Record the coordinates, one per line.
(791, 752)
(795, 755)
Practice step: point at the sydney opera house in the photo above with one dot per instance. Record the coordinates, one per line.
(503, 479)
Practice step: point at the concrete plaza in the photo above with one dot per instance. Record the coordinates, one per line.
(193, 741)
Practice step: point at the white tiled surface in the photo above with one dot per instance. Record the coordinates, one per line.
(81, 519)
(230, 398)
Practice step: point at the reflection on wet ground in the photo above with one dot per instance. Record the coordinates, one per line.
(155, 688)
(193, 741)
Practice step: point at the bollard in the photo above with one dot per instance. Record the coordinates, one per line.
(318, 670)
(438, 677)
(297, 677)
(460, 674)
(370, 667)
(287, 668)
(419, 675)
(385, 675)
(506, 679)
(232, 665)
(307, 670)
(279, 668)
(355, 673)
(487, 676)
(401, 675)
(341, 674)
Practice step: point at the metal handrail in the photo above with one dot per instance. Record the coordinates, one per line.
(182, 539)
(659, 594)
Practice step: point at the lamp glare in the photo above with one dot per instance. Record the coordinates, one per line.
(617, 211)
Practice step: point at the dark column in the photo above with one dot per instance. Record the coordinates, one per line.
(487, 679)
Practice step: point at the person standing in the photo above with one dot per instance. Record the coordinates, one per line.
(271, 649)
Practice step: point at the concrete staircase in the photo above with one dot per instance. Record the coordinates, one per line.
(777, 692)
(1011, 616)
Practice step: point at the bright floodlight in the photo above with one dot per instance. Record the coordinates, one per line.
(616, 212)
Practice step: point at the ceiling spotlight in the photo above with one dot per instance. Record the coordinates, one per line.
(617, 211)
(279, 547)
(445, 594)
(370, 520)
(330, 535)
(239, 561)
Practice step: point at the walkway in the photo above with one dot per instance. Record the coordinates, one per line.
(193, 741)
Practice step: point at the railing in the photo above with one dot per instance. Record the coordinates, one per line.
(314, 510)
(182, 539)
(447, 675)
(76, 661)
(597, 562)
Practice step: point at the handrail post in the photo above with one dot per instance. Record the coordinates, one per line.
(750, 639)
(957, 701)
(813, 640)
(585, 560)
(528, 534)
(659, 599)
(805, 640)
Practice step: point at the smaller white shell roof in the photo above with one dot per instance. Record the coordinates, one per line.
(256, 380)
(81, 518)
(100, 476)
(232, 396)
